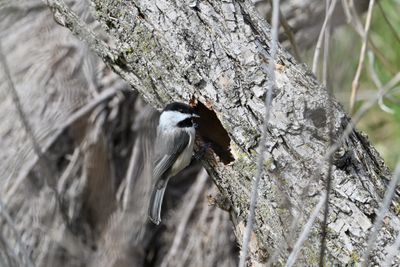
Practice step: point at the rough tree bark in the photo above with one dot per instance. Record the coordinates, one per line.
(217, 52)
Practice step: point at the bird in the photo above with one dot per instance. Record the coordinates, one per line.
(172, 152)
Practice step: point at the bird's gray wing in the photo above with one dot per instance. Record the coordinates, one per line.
(169, 146)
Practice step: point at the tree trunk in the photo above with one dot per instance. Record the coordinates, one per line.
(217, 52)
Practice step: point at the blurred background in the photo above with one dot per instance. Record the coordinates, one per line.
(382, 122)
(74, 137)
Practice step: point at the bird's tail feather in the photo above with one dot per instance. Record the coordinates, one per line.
(156, 201)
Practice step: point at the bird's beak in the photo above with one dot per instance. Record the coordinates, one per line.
(195, 116)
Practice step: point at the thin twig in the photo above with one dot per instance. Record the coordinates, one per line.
(274, 257)
(43, 161)
(393, 250)
(324, 230)
(130, 174)
(377, 82)
(214, 231)
(352, 16)
(355, 22)
(327, 38)
(106, 94)
(194, 195)
(374, 75)
(62, 181)
(289, 33)
(8, 253)
(326, 34)
(356, 80)
(357, 117)
(384, 90)
(306, 230)
(395, 33)
(15, 98)
(19, 243)
(192, 243)
(260, 159)
(347, 131)
(381, 214)
(387, 64)
(193, 239)
(321, 35)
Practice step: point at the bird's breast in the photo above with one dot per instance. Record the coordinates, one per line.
(185, 157)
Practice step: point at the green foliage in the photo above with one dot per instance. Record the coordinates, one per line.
(382, 127)
(385, 33)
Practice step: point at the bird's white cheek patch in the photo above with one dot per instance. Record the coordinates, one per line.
(169, 119)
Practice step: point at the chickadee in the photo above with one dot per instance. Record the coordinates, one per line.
(173, 150)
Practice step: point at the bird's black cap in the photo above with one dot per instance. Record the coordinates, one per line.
(181, 107)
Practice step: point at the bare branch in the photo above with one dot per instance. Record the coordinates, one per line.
(194, 194)
(377, 82)
(355, 22)
(306, 231)
(20, 245)
(392, 252)
(392, 28)
(44, 162)
(363, 109)
(331, 122)
(260, 158)
(320, 37)
(356, 80)
(327, 39)
(103, 96)
(68, 171)
(289, 33)
(381, 214)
